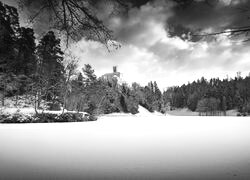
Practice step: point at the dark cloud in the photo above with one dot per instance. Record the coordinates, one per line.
(189, 17)
(139, 3)
(133, 27)
(101, 9)
(154, 41)
(45, 19)
(199, 16)
(188, 20)
(149, 50)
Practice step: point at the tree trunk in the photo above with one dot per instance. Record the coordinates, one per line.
(64, 104)
(16, 101)
(35, 103)
(3, 94)
(2, 98)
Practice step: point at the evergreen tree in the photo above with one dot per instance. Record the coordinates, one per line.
(224, 105)
(9, 25)
(149, 98)
(192, 101)
(80, 79)
(157, 97)
(50, 70)
(138, 91)
(238, 101)
(208, 106)
(89, 73)
(233, 94)
(26, 59)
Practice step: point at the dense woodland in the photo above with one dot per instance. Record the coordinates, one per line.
(211, 96)
(38, 69)
(42, 72)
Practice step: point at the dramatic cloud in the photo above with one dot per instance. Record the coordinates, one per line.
(157, 43)
(149, 53)
(197, 16)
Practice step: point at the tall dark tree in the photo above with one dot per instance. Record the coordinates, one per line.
(26, 58)
(9, 25)
(157, 97)
(192, 101)
(8, 32)
(50, 70)
(224, 105)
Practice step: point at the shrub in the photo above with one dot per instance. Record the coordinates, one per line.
(192, 101)
(46, 118)
(134, 110)
(246, 108)
(92, 107)
(208, 106)
(54, 106)
(238, 114)
(163, 111)
(92, 118)
(15, 118)
(67, 117)
(88, 117)
(108, 107)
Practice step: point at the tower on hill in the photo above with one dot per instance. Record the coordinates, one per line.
(111, 76)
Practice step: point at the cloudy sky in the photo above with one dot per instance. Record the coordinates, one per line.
(157, 42)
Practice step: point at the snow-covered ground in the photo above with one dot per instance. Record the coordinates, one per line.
(122, 146)
(31, 111)
(24, 106)
(182, 112)
(187, 112)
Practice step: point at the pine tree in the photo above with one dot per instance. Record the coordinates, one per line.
(50, 70)
(238, 101)
(149, 98)
(157, 97)
(9, 25)
(192, 101)
(208, 106)
(26, 59)
(224, 105)
(80, 79)
(89, 73)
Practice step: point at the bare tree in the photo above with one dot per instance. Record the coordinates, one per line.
(70, 65)
(76, 18)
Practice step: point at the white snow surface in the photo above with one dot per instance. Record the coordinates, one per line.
(31, 111)
(125, 146)
(25, 107)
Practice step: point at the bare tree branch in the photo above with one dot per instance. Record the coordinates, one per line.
(231, 32)
(76, 18)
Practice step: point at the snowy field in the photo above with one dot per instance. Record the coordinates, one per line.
(120, 146)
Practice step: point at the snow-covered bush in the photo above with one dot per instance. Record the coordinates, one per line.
(15, 118)
(45, 117)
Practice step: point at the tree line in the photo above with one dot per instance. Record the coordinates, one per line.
(211, 97)
(40, 70)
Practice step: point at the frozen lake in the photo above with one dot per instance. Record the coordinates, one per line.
(143, 146)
